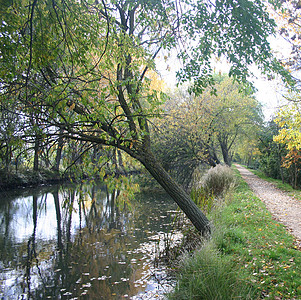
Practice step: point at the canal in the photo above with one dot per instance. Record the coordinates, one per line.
(83, 242)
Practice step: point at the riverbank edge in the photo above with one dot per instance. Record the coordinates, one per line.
(249, 256)
(28, 179)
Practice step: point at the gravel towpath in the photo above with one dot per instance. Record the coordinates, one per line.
(283, 207)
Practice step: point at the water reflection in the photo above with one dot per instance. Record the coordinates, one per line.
(80, 242)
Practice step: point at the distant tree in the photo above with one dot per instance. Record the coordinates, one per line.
(205, 129)
(270, 152)
(181, 139)
(233, 113)
(289, 136)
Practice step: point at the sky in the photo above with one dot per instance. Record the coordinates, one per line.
(270, 92)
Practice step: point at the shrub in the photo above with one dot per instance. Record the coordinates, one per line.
(218, 180)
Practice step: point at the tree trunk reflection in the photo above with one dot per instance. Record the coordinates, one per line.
(31, 247)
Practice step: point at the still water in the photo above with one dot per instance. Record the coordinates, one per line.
(82, 242)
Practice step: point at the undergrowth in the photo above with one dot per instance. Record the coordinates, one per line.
(249, 256)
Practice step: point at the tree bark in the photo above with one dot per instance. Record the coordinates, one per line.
(194, 214)
(212, 157)
(36, 153)
(225, 152)
(59, 149)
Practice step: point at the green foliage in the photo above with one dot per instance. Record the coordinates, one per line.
(270, 165)
(280, 144)
(77, 70)
(82, 70)
(288, 136)
(230, 113)
(203, 198)
(83, 66)
(272, 153)
(237, 30)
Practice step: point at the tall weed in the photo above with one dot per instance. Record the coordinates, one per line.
(203, 199)
(216, 183)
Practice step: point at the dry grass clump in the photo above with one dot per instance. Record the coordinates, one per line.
(218, 180)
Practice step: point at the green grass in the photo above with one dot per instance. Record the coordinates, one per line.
(250, 256)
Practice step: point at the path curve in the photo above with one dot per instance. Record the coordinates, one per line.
(286, 209)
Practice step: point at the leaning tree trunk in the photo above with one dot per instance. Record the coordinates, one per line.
(195, 215)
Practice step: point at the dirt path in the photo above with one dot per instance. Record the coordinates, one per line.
(284, 208)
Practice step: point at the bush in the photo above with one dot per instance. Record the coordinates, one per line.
(218, 180)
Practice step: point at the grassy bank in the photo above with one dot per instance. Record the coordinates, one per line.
(250, 256)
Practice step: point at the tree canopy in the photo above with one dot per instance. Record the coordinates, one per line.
(79, 70)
